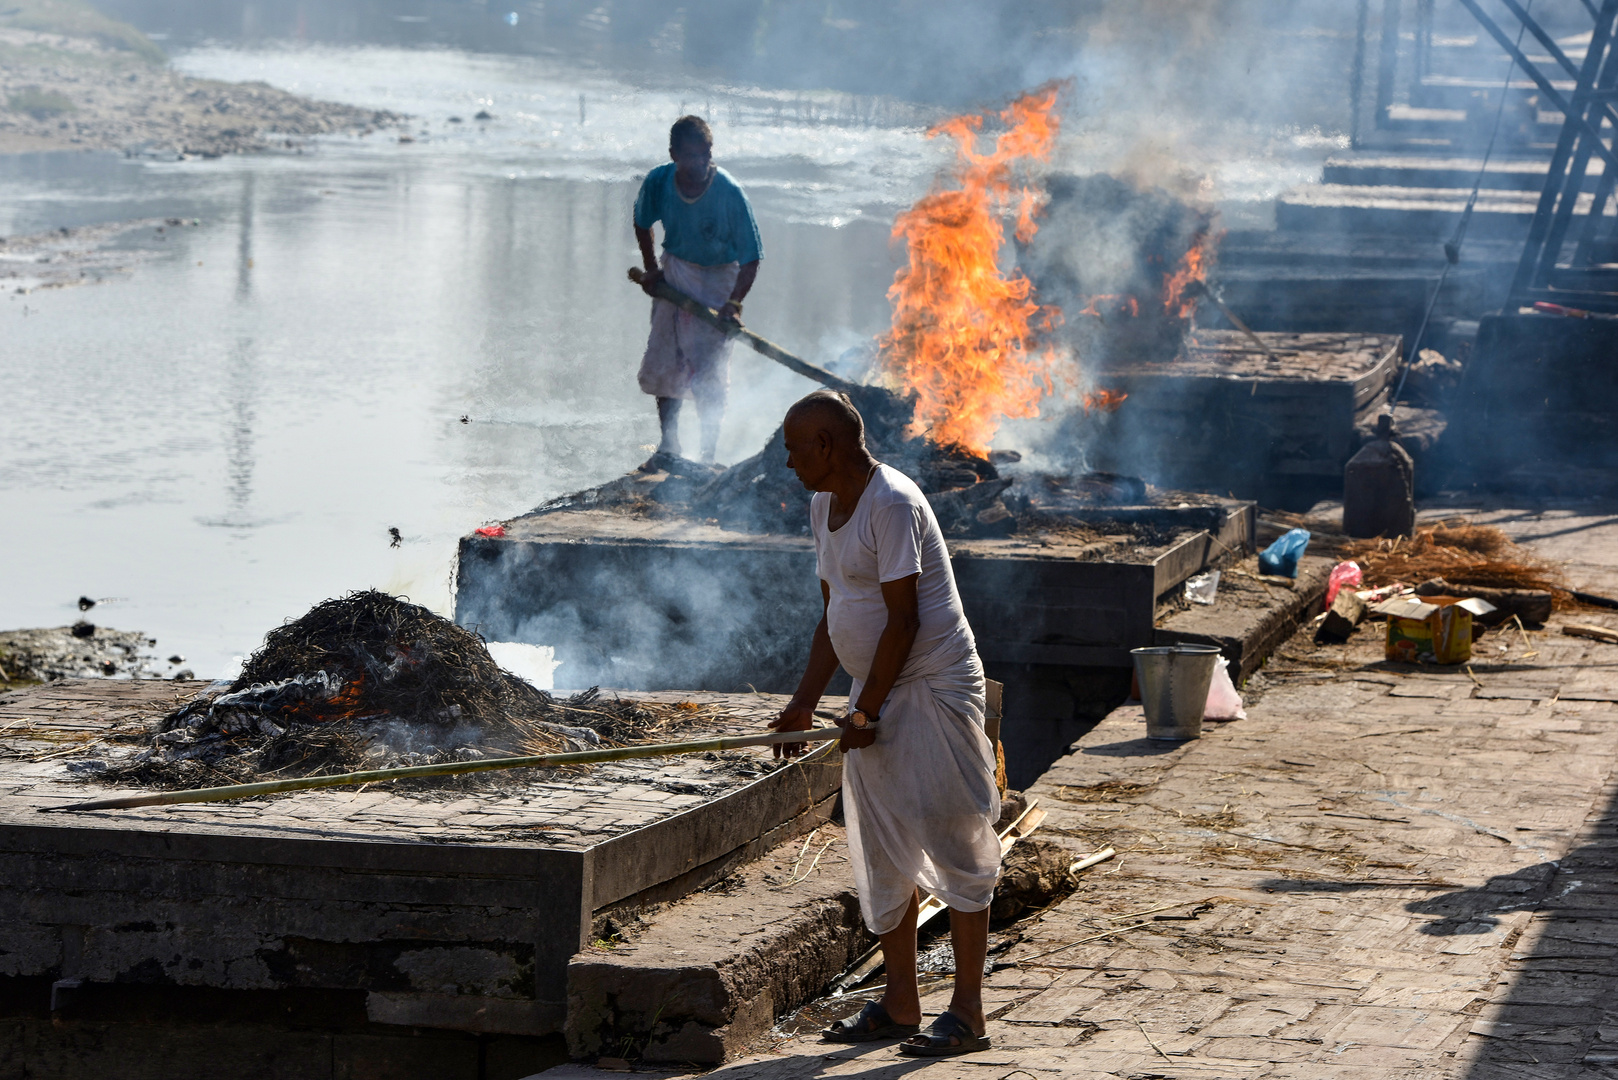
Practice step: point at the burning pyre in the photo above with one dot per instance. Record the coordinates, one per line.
(1129, 262)
(372, 681)
(963, 333)
(972, 345)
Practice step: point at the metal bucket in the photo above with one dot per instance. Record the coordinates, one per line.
(1174, 688)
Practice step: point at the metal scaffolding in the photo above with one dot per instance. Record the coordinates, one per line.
(1571, 255)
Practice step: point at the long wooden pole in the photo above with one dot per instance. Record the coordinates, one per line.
(451, 768)
(668, 292)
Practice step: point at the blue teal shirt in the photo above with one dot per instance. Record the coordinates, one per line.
(712, 230)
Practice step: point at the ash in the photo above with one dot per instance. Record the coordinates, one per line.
(372, 681)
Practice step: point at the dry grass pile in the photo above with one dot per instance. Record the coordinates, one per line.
(1459, 552)
(370, 680)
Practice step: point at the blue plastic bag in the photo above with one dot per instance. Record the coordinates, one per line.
(1281, 558)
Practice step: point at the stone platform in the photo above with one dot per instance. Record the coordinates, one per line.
(666, 601)
(1224, 416)
(1386, 872)
(658, 602)
(452, 912)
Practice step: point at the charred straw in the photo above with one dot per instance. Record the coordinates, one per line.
(371, 679)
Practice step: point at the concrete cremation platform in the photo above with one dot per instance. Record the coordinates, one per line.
(450, 912)
(663, 601)
(657, 600)
(1223, 415)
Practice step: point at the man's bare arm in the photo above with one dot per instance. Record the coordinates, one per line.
(648, 258)
(799, 715)
(892, 650)
(744, 283)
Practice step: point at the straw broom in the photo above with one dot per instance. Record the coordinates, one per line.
(451, 768)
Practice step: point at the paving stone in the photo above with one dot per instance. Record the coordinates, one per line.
(1055, 1005)
(1389, 843)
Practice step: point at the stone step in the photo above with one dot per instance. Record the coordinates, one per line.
(1442, 171)
(1480, 95)
(1253, 253)
(1251, 617)
(702, 979)
(1411, 212)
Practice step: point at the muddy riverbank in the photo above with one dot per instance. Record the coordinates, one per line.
(78, 256)
(71, 79)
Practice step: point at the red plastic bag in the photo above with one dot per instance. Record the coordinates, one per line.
(495, 531)
(1344, 573)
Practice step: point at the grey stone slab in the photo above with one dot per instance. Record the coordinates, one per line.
(1446, 689)
(1591, 684)
(458, 913)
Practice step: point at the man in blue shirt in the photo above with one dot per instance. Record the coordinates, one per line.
(711, 250)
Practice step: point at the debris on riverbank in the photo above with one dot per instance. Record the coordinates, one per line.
(81, 651)
(72, 79)
(77, 256)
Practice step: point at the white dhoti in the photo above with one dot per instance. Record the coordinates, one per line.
(686, 357)
(921, 802)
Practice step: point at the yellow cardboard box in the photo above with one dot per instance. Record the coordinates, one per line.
(1431, 629)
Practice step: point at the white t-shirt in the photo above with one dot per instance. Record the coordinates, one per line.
(893, 534)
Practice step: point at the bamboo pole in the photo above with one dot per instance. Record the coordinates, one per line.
(668, 292)
(885, 411)
(451, 768)
(1202, 288)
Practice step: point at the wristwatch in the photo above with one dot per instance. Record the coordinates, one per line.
(859, 720)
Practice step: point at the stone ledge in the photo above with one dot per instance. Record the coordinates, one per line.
(1247, 632)
(710, 973)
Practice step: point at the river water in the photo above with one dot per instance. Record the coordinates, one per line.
(224, 438)
(375, 335)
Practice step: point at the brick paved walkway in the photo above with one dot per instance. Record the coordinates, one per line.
(1383, 871)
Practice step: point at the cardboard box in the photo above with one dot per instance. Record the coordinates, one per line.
(1431, 629)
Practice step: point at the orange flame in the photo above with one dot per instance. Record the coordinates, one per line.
(1104, 400)
(1194, 266)
(347, 702)
(1121, 305)
(962, 330)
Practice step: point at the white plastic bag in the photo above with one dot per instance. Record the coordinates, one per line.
(1224, 703)
(1203, 589)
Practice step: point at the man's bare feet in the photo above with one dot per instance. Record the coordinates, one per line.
(970, 1016)
(902, 1012)
(948, 1036)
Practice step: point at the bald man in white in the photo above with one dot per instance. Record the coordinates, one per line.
(919, 793)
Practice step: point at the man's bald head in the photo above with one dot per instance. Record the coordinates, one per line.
(825, 441)
(832, 412)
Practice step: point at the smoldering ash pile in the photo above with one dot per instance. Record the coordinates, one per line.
(370, 680)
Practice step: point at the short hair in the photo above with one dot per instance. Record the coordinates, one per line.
(833, 409)
(690, 128)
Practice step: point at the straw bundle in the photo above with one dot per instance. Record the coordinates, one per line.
(1459, 552)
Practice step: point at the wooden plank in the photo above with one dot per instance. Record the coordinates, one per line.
(1374, 381)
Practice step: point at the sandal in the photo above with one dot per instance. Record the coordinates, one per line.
(946, 1037)
(872, 1023)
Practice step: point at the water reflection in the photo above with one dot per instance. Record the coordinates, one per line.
(225, 436)
(242, 379)
(244, 242)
